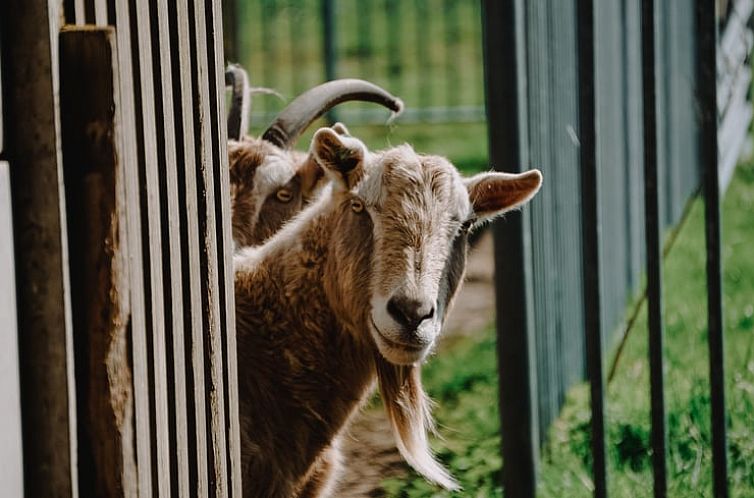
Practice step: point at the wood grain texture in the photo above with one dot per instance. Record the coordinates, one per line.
(30, 42)
(188, 152)
(225, 252)
(128, 145)
(96, 207)
(143, 66)
(171, 232)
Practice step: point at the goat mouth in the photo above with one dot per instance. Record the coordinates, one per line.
(411, 348)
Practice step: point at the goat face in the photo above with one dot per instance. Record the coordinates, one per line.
(419, 210)
(268, 186)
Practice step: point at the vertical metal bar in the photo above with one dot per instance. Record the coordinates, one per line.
(394, 45)
(365, 43)
(329, 47)
(328, 39)
(590, 230)
(707, 103)
(296, 40)
(654, 250)
(450, 18)
(422, 33)
(505, 81)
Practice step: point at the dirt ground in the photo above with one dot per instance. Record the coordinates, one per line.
(370, 454)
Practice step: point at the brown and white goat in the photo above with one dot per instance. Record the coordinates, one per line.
(354, 289)
(270, 182)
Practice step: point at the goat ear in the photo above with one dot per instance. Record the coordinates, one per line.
(341, 129)
(342, 157)
(492, 194)
(310, 173)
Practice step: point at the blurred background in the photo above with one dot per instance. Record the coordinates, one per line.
(428, 52)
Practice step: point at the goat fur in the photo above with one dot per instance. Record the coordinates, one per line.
(306, 359)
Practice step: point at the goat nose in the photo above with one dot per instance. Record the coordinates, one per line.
(410, 312)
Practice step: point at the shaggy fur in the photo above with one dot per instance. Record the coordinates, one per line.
(268, 186)
(313, 330)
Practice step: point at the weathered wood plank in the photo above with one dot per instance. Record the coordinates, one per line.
(173, 271)
(188, 151)
(128, 145)
(98, 240)
(210, 272)
(30, 30)
(11, 456)
(143, 66)
(225, 251)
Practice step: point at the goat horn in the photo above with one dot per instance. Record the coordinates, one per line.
(238, 115)
(312, 104)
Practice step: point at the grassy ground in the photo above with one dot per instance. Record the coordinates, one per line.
(464, 383)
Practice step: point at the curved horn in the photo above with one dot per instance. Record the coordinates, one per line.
(238, 115)
(310, 105)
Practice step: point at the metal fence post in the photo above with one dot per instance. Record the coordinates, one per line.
(505, 81)
(654, 250)
(590, 229)
(329, 47)
(707, 101)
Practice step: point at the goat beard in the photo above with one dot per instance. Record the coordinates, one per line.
(409, 411)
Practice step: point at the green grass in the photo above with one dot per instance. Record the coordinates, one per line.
(464, 383)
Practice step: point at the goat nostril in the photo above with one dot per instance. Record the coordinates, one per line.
(409, 312)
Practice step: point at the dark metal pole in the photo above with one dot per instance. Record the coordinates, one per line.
(654, 250)
(590, 230)
(707, 102)
(329, 46)
(505, 82)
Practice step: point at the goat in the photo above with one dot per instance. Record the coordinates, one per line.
(355, 288)
(270, 182)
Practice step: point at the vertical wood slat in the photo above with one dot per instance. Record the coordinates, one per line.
(173, 270)
(95, 12)
(141, 23)
(128, 144)
(215, 407)
(505, 73)
(29, 30)
(654, 252)
(192, 247)
(225, 252)
(591, 240)
(11, 455)
(98, 240)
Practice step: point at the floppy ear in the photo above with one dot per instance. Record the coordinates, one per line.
(342, 157)
(492, 194)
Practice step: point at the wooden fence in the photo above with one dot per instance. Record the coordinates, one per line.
(114, 134)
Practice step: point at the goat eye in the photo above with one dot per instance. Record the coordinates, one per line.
(357, 205)
(284, 195)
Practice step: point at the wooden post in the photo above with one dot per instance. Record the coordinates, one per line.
(30, 42)
(11, 456)
(95, 198)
